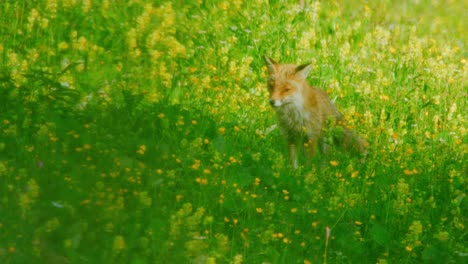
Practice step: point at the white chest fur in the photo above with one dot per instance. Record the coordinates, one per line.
(293, 116)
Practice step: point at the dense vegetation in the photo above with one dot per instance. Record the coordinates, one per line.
(140, 132)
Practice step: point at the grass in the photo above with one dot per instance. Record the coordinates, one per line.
(140, 132)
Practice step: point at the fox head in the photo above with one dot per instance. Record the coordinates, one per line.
(285, 81)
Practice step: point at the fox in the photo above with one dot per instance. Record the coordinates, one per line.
(305, 112)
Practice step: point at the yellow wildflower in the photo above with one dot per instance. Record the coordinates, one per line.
(119, 243)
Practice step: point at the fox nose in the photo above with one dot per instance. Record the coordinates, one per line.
(275, 103)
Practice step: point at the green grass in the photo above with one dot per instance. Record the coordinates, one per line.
(140, 132)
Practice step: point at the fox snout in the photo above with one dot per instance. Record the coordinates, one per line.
(275, 103)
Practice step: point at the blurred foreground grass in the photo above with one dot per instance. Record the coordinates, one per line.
(139, 132)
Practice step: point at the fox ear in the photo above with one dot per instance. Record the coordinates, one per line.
(303, 70)
(270, 63)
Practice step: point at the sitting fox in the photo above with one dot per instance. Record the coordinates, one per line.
(304, 112)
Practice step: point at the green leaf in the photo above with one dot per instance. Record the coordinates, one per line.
(380, 234)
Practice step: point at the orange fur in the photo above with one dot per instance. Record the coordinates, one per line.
(304, 111)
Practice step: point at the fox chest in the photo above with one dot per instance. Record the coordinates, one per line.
(296, 121)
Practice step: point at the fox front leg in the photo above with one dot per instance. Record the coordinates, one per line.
(311, 149)
(292, 149)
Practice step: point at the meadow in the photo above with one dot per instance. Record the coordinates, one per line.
(140, 132)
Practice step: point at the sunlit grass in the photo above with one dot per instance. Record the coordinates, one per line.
(140, 132)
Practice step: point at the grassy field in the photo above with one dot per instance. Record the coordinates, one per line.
(140, 132)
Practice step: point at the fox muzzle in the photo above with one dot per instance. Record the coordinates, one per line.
(275, 103)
